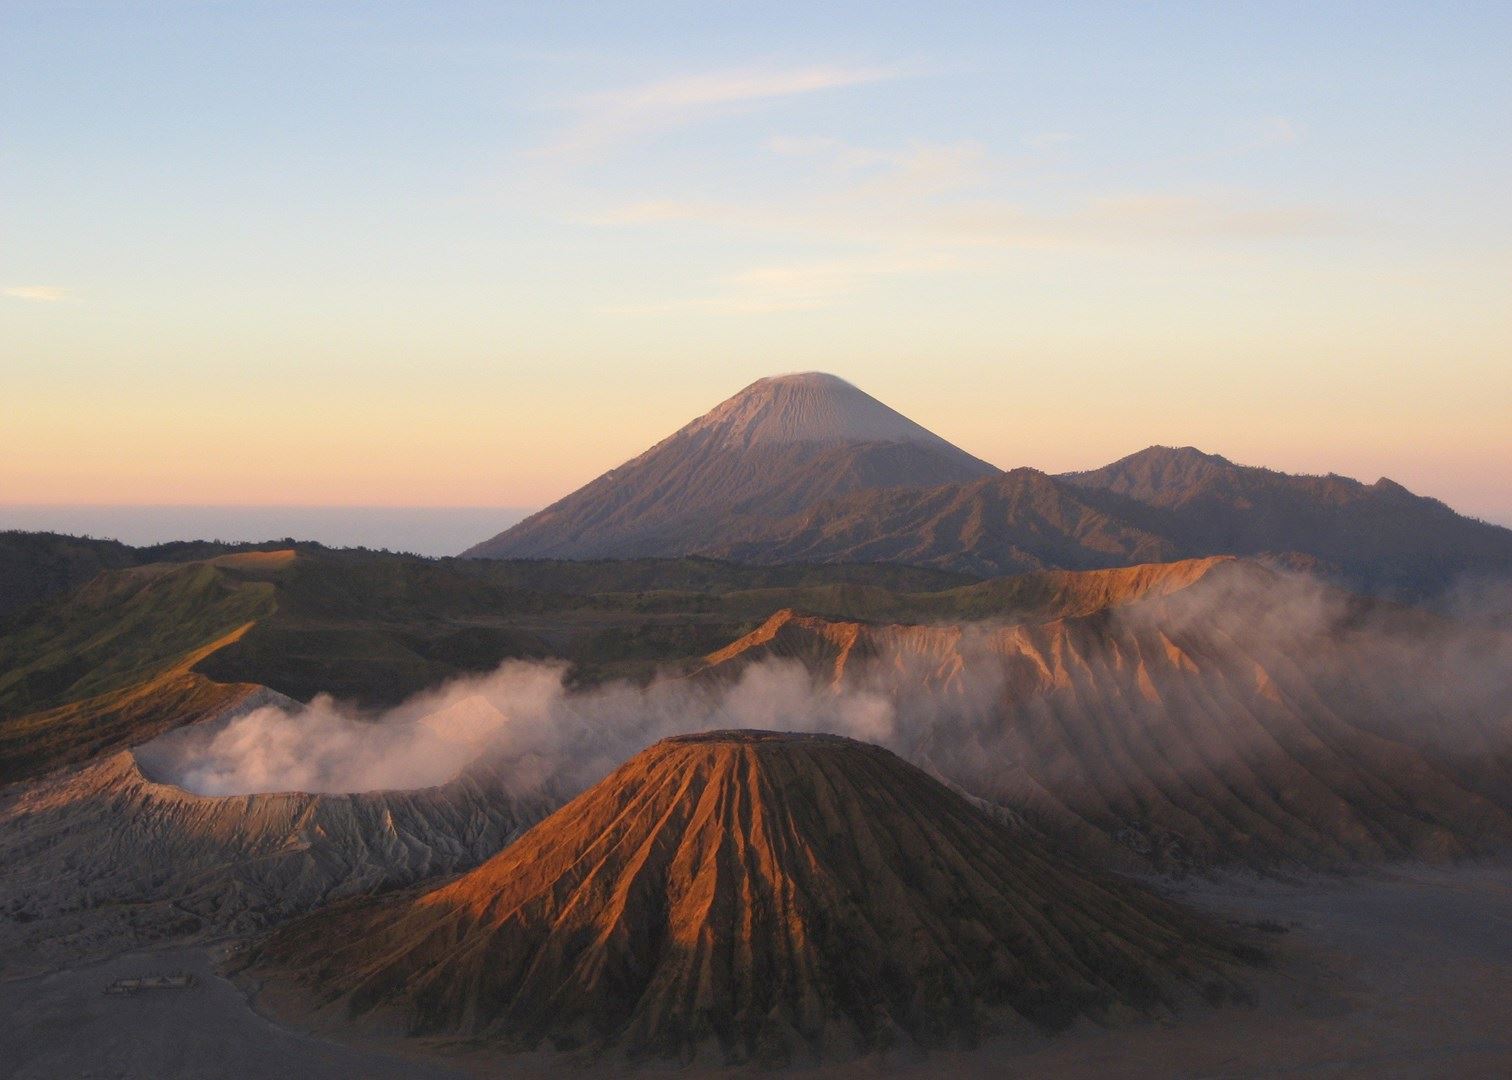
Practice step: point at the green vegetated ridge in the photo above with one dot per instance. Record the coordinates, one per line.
(137, 649)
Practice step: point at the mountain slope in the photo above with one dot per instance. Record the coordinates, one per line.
(1013, 522)
(747, 896)
(1206, 713)
(808, 468)
(1379, 536)
(35, 566)
(772, 450)
(1159, 504)
(103, 858)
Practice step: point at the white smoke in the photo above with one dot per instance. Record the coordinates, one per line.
(521, 718)
(963, 709)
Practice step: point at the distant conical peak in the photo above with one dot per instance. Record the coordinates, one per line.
(809, 406)
(778, 447)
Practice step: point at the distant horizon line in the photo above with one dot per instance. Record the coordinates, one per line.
(421, 529)
(260, 506)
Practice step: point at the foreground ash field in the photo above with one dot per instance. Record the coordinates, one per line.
(806, 741)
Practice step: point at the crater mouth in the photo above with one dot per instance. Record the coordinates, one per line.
(289, 749)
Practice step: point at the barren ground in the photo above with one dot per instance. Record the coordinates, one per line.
(1406, 974)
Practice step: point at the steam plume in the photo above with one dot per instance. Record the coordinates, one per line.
(1253, 645)
(520, 717)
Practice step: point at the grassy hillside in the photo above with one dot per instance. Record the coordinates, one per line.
(37, 566)
(122, 628)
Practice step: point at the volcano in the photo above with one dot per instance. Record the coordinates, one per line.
(755, 897)
(776, 448)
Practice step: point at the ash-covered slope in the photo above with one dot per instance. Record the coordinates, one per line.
(102, 859)
(748, 896)
(772, 450)
(1199, 713)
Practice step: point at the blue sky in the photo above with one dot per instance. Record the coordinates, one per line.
(476, 253)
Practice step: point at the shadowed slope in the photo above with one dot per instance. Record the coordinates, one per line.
(1378, 535)
(755, 896)
(1157, 505)
(35, 566)
(1017, 521)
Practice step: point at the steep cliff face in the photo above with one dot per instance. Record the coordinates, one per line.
(1205, 713)
(749, 896)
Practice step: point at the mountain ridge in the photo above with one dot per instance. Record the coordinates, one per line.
(807, 468)
(1159, 504)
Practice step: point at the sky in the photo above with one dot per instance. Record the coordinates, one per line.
(472, 255)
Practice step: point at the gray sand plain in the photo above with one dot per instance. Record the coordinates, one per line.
(1403, 973)
(63, 1026)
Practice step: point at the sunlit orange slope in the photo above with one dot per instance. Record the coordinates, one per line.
(750, 896)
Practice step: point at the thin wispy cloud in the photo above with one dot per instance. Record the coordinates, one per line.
(1268, 135)
(605, 119)
(943, 196)
(793, 287)
(932, 207)
(1109, 222)
(919, 169)
(924, 206)
(37, 294)
(1176, 217)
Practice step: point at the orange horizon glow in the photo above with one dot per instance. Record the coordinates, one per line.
(478, 265)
